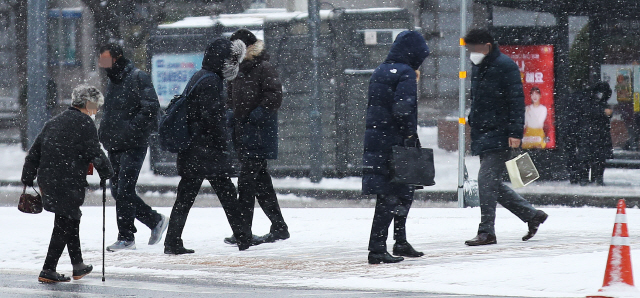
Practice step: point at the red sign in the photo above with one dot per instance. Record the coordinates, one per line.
(536, 71)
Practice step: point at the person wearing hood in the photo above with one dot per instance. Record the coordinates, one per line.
(130, 116)
(59, 158)
(392, 120)
(254, 98)
(594, 145)
(207, 156)
(497, 127)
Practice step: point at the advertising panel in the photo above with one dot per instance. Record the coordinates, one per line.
(170, 73)
(537, 73)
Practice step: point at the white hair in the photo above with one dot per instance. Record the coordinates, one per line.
(84, 93)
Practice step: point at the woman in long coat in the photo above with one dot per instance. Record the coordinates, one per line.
(392, 119)
(60, 158)
(207, 156)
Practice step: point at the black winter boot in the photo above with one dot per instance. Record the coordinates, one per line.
(383, 257)
(534, 223)
(80, 273)
(482, 239)
(48, 276)
(406, 250)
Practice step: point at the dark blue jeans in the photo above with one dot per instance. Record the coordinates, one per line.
(129, 206)
(492, 191)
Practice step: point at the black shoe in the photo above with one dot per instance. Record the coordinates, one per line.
(255, 240)
(276, 235)
(482, 239)
(80, 273)
(48, 276)
(534, 223)
(383, 257)
(177, 250)
(406, 250)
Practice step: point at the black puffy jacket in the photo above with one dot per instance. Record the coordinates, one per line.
(497, 103)
(60, 158)
(208, 153)
(392, 112)
(130, 111)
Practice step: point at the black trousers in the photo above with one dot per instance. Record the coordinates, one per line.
(492, 190)
(66, 232)
(389, 208)
(129, 206)
(254, 182)
(188, 189)
(593, 168)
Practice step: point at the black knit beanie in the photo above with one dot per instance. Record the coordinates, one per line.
(245, 35)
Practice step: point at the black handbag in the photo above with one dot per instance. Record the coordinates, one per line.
(30, 203)
(412, 165)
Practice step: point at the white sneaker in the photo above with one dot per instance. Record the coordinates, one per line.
(122, 244)
(156, 233)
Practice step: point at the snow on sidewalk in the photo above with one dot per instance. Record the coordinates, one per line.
(327, 249)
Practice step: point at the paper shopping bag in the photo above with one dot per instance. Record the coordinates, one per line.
(521, 170)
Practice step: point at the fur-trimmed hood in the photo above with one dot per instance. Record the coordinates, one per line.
(255, 55)
(254, 50)
(224, 57)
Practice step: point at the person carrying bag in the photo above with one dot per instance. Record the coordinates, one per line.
(392, 120)
(59, 158)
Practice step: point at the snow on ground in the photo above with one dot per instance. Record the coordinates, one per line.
(327, 249)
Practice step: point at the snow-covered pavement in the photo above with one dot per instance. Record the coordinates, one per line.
(328, 250)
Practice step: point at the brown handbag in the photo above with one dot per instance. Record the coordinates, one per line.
(30, 203)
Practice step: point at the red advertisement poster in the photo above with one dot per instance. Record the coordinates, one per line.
(536, 71)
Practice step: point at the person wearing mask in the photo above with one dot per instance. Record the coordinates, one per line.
(255, 96)
(207, 156)
(59, 158)
(392, 120)
(497, 124)
(130, 116)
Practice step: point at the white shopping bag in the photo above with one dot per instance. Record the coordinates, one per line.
(521, 170)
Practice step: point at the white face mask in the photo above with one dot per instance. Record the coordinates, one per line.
(476, 58)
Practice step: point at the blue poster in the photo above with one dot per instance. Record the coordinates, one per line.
(171, 73)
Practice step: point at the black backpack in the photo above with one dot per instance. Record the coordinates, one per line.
(173, 130)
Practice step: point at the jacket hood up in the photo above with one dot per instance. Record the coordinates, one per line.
(223, 57)
(409, 48)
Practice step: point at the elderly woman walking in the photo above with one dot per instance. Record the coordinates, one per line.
(59, 158)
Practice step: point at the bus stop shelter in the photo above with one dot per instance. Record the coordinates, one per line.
(605, 19)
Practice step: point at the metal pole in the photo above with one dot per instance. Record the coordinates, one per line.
(36, 68)
(315, 120)
(461, 109)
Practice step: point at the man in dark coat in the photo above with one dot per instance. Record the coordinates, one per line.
(60, 158)
(130, 116)
(254, 98)
(497, 126)
(207, 156)
(590, 143)
(392, 119)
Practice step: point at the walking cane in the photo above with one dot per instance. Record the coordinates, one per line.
(104, 202)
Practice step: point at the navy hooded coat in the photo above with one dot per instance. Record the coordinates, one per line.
(392, 112)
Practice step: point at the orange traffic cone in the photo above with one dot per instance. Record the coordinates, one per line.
(618, 278)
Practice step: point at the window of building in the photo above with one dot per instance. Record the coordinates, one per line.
(64, 35)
